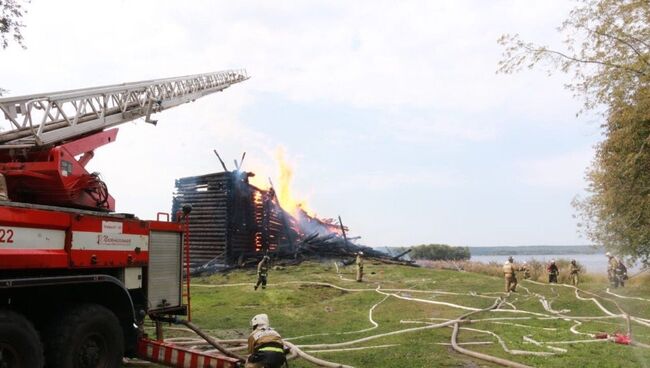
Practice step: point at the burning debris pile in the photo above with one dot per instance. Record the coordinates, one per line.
(233, 221)
(323, 237)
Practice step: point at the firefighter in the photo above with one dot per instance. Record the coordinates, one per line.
(509, 274)
(612, 266)
(621, 272)
(574, 270)
(526, 271)
(265, 345)
(553, 272)
(359, 262)
(262, 272)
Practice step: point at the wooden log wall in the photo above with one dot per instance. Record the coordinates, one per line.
(231, 220)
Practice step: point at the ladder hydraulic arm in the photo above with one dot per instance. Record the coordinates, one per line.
(52, 136)
(50, 118)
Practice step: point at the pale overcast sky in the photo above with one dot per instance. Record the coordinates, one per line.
(390, 111)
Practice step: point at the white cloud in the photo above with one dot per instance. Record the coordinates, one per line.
(563, 171)
(393, 181)
(441, 126)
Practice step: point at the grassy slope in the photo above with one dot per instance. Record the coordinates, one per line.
(297, 309)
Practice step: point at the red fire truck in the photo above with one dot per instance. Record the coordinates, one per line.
(77, 280)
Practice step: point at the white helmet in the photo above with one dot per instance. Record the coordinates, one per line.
(360, 253)
(260, 320)
(608, 254)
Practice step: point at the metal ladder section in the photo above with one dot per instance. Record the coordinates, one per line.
(50, 118)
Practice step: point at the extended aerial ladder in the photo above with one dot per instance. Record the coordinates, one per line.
(51, 137)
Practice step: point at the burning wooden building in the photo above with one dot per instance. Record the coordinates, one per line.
(231, 220)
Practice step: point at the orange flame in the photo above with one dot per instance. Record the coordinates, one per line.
(260, 181)
(283, 187)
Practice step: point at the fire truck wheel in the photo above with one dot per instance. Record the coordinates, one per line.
(20, 346)
(87, 336)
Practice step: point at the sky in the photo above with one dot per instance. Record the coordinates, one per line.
(390, 113)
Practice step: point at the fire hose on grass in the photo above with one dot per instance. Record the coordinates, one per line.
(455, 323)
(312, 359)
(494, 359)
(489, 358)
(619, 338)
(368, 338)
(296, 352)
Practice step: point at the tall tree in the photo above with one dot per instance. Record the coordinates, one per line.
(607, 52)
(11, 25)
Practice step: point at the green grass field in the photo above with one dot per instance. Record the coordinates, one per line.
(307, 313)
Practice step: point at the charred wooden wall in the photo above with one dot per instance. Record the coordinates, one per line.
(230, 219)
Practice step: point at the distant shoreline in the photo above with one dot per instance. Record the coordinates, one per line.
(534, 250)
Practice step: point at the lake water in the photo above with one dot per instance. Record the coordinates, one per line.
(594, 263)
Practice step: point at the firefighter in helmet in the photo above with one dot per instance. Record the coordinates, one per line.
(265, 345)
(621, 272)
(553, 272)
(262, 272)
(509, 274)
(359, 262)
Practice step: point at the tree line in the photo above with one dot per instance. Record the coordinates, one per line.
(440, 252)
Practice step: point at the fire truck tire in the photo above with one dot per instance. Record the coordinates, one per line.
(86, 336)
(20, 346)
